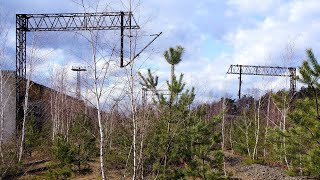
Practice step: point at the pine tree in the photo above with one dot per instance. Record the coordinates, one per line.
(304, 133)
(82, 142)
(150, 83)
(80, 147)
(310, 74)
(173, 56)
(33, 135)
(186, 146)
(304, 137)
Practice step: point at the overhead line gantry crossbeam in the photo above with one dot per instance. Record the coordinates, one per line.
(67, 22)
(76, 21)
(64, 22)
(264, 71)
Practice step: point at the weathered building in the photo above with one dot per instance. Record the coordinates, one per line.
(8, 103)
(45, 104)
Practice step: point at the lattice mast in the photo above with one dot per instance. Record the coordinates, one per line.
(78, 88)
(69, 22)
(264, 71)
(63, 22)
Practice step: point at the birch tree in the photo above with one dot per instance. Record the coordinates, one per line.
(32, 58)
(257, 129)
(97, 91)
(6, 89)
(267, 125)
(59, 104)
(100, 69)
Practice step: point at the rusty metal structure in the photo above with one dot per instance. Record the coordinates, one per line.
(264, 71)
(64, 22)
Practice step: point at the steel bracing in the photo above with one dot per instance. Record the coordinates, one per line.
(78, 88)
(78, 21)
(264, 71)
(65, 22)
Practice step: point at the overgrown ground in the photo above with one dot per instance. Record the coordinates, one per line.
(237, 168)
(172, 139)
(40, 170)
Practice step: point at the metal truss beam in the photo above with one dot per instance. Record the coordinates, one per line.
(64, 22)
(68, 22)
(144, 93)
(78, 21)
(264, 71)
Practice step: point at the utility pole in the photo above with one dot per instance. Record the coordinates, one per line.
(240, 82)
(78, 70)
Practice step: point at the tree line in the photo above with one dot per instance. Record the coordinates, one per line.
(166, 137)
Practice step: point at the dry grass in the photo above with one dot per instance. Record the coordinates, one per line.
(39, 170)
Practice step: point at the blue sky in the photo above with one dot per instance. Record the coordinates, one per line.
(215, 34)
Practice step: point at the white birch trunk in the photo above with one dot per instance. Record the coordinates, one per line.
(25, 114)
(257, 124)
(30, 67)
(4, 31)
(247, 135)
(267, 126)
(133, 106)
(101, 138)
(134, 123)
(230, 136)
(284, 115)
(97, 94)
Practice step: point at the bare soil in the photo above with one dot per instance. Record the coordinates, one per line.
(235, 166)
(38, 169)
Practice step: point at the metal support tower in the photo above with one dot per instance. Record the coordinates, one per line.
(64, 22)
(145, 91)
(264, 71)
(68, 22)
(78, 70)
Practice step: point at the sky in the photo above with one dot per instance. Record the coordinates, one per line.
(214, 33)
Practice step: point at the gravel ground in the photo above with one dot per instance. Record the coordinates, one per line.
(255, 171)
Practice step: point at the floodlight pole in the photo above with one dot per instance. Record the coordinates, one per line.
(78, 88)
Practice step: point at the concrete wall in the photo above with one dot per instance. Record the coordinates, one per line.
(42, 103)
(9, 103)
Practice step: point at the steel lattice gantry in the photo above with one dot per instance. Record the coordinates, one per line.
(65, 22)
(264, 71)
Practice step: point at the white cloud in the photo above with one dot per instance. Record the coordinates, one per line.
(265, 43)
(303, 10)
(256, 32)
(252, 6)
(271, 35)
